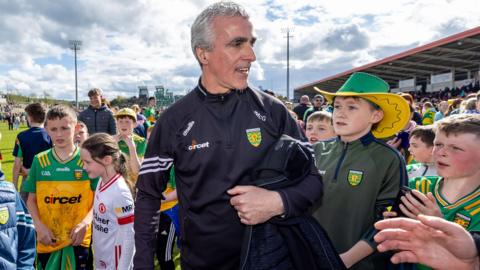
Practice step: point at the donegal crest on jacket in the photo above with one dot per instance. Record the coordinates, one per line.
(4, 215)
(254, 136)
(355, 177)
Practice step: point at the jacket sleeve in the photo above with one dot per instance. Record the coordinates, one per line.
(299, 198)
(395, 176)
(153, 178)
(26, 236)
(112, 125)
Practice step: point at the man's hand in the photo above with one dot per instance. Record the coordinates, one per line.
(78, 233)
(44, 234)
(431, 241)
(255, 205)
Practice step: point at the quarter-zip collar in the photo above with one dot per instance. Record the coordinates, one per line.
(365, 140)
(205, 95)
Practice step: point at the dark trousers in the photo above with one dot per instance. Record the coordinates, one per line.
(81, 256)
(165, 241)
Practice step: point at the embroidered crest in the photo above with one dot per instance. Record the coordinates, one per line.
(355, 177)
(4, 215)
(254, 136)
(78, 174)
(462, 220)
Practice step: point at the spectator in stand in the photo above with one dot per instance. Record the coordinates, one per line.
(98, 117)
(29, 143)
(428, 113)
(442, 109)
(417, 117)
(471, 106)
(454, 107)
(302, 107)
(317, 106)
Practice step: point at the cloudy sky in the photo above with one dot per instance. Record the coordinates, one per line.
(127, 43)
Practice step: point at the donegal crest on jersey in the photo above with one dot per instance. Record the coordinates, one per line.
(355, 177)
(254, 136)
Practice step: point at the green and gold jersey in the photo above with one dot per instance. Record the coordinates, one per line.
(465, 211)
(171, 186)
(140, 144)
(150, 114)
(64, 196)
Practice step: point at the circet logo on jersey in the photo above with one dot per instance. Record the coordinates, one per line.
(102, 208)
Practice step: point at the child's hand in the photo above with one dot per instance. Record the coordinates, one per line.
(44, 234)
(395, 142)
(418, 203)
(78, 233)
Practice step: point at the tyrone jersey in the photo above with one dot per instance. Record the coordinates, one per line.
(112, 208)
(64, 195)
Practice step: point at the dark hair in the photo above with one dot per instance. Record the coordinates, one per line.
(460, 124)
(100, 145)
(61, 111)
(36, 112)
(151, 98)
(425, 133)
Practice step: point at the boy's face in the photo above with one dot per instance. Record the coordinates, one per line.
(125, 125)
(81, 134)
(96, 101)
(457, 156)
(319, 131)
(353, 117)
(420, 151)
(61, 130)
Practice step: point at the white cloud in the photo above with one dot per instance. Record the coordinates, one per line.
(147, 42)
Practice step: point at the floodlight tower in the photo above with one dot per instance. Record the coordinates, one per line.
(288, 36)
(75, 46)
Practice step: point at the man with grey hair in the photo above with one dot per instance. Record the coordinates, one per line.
(302, 107)
(214, 138)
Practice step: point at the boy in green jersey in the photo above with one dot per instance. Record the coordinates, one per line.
(362, 175)
(130, 143)
(456, 191)
(60, 196)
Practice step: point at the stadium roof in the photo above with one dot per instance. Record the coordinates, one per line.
(460, 52)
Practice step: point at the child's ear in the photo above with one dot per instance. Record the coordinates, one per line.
(107, 160)
(377, 116)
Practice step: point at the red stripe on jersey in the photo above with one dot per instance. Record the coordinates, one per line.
(126, 220)
(109, 182)
(116, 257)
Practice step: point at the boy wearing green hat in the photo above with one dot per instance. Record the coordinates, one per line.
(362, 175)
(130, 143)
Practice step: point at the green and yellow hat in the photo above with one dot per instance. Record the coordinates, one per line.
(127, 112)
(396, 112)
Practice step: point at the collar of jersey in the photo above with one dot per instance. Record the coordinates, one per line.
(206, 95)
(59, 160)
(365, 140)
